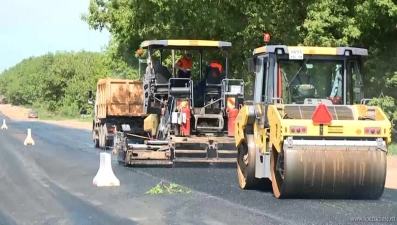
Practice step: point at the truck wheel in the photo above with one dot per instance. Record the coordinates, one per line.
(100, 135)
(96, 140)
(99, 138)
(103, 137)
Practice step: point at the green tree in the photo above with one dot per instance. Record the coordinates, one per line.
(57, 83)
(364, 23)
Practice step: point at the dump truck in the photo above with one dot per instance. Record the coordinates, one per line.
(180, 127)
(308, 132)
(118, 107)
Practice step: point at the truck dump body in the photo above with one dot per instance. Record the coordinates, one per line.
(119, 97)
(118, 103)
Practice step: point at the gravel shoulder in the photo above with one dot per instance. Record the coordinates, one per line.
(18, 113)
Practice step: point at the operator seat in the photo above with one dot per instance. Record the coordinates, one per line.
(162, 77)
(213, 82)
(180, 87)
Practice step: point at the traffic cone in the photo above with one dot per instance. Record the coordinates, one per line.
(4, 126)
(29, 140)
(105, 176)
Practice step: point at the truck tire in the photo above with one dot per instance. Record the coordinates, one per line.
(99, 138)
(96, 140)
(102, 137)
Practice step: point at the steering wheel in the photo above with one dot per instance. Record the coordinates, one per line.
(335, 100)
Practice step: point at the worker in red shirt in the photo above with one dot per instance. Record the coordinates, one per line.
(215, 64)
(209, 72)
(184, 65)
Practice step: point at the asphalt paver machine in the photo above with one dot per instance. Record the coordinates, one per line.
(184, 124)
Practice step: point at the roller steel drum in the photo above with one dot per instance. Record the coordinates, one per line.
(331, 169)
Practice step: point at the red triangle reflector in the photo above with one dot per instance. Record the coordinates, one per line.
(322, 115)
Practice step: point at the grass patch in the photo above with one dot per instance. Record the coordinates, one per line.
(47, 115)
(170, 188)
(392, 149)
(87, 119)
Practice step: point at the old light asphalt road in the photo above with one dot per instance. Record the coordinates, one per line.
(51, 183)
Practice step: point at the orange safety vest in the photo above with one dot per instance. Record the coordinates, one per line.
(185, 63)
(216, 65)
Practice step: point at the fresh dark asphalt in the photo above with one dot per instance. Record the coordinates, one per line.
(51, 183)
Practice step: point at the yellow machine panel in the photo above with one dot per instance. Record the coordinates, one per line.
(348, 123)
(151, 123)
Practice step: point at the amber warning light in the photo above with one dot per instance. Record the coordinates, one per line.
(321, 115)
(266, 37)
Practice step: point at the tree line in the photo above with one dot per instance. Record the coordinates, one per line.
(371, 24)
(58, 81)
(55, 82)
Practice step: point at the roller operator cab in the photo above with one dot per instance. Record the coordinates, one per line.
(308, 130)
(190, 118)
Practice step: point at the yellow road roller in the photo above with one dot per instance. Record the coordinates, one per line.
(308, 129)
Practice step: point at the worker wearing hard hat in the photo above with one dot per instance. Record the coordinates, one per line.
(215, 64)
(214, 71)
(184, 65)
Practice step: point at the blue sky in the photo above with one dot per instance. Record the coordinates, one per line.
(32, 28)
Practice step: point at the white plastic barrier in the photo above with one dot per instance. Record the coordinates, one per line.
(29, 140)
(4, 126)
(105, 176)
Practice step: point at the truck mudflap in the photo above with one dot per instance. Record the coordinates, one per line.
(354, 169)
(212, 150)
